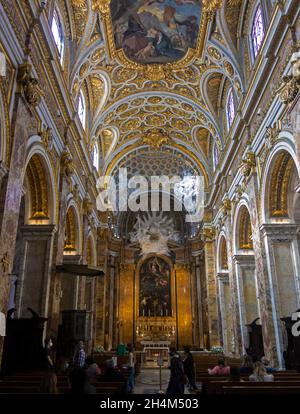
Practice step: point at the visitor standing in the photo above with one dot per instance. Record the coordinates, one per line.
(177, 377)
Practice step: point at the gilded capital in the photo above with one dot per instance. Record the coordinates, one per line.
(209, 233)
(66, 164)
(29, 86)
(248, 164)
(47, 138)
(226, 204)
(289, 89)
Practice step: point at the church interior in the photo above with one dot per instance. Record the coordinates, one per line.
(93, 89)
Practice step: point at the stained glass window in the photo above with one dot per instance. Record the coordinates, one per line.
(58, 34)
(230, 109)
(81, 109)
(258, 32)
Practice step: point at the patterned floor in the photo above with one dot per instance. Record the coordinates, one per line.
(147, 382)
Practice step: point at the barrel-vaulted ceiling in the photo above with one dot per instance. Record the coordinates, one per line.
(146, 91)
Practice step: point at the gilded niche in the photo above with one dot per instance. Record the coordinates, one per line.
(156, 33)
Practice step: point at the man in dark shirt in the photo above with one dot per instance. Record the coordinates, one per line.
(189, 368)
(177, 378)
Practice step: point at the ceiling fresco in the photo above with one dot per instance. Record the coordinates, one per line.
(154, 71)
(156, 31)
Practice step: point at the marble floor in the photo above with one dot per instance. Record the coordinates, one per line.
(147, 381)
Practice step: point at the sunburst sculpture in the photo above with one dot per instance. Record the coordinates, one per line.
(152, 232)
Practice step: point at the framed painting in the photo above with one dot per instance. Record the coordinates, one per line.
(156, 33)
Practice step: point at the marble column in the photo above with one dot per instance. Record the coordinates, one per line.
(211, 284)
(225, 311)
(110, 314)
(198, 302)
(102, 257)
(236, 340)
(11, 195)
(270, 337)
(282, 253)
(70, 286)
(58, 255)
(247, 293)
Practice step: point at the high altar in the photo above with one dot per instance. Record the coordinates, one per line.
(155, 302)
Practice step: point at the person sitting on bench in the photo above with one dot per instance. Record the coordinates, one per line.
(260, 374)
(220, 369)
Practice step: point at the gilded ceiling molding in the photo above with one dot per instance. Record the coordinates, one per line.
(178, 116)
(225, 62)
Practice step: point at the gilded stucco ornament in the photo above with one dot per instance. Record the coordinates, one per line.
(154, 71)
(155, 138)
(66, 163)
(29, 86)
(47, 138)
(226, 204)
(209, 233)
(248, 164)
(291, 83)
(5, 263)
(87, 206)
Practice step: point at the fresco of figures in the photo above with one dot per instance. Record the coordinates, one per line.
(156, 31)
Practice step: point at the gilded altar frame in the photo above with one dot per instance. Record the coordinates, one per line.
(155, 320)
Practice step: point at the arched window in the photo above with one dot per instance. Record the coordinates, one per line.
(58, 34)
(81, 109)
(257, 32)
(95, 156)
(230, 108)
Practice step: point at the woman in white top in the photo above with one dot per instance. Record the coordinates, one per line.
(260, 374)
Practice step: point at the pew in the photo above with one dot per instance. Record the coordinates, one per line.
(30, 384)
(220, 387)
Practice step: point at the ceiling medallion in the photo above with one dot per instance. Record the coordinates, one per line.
(156, 36)
(155, 138)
